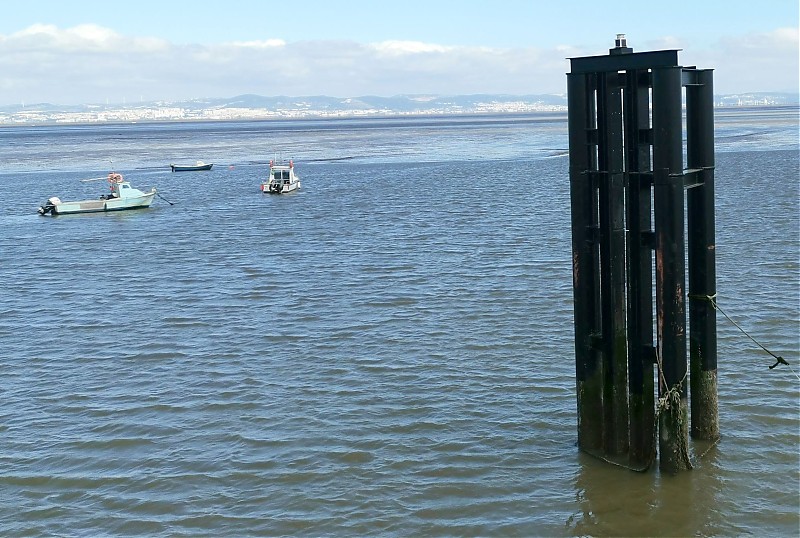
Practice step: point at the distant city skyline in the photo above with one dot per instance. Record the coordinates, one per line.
(254, 107)
(98, 52)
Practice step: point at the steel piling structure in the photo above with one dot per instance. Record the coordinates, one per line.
(627, 183)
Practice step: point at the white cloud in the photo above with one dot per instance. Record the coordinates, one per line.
(82, 38)
(37, 30)
(752, 62)
(89, 63)
(263, 44)
(398, 48)
(91, 34)
(779, 39)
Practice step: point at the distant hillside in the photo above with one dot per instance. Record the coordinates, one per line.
(322, 103)
(398, 104)
(258, 107)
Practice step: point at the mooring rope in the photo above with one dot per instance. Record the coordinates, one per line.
(778, 358)
(671, 402)
(618, 464)
(159, 195)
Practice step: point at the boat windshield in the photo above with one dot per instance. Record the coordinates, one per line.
(280, 174)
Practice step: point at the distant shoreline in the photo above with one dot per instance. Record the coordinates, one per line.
(251, 107)
(489, 116)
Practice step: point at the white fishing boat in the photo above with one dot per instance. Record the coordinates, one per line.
(121, 197)
(282, 179)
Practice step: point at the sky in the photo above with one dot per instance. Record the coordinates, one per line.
(87, 51)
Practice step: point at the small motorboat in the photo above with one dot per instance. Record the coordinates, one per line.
(282, 179)
(199, 165)
(121, 197)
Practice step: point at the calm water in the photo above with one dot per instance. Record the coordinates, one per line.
(388, 351)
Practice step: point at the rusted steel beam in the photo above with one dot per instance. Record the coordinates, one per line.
(636, 108)
(612, 263)
(585, 263)
(670, 267)
(702, 255)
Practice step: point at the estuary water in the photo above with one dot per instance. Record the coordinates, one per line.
(386, 352)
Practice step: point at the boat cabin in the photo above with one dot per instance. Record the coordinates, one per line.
(121, 188)
(124, 190)
(281, 174)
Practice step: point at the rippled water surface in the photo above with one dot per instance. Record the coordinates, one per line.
(388, 351)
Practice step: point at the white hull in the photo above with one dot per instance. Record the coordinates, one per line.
(121, 198)
(99, 206)
(271, 188)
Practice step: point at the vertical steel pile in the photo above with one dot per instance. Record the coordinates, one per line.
(627, 184)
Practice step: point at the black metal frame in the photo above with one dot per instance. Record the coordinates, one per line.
(627, 183)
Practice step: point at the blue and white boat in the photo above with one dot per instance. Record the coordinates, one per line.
(198, 166)
(122, 197)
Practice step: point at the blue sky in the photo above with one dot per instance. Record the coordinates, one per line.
(76, 51)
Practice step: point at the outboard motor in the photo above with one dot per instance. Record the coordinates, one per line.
(49, 205)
